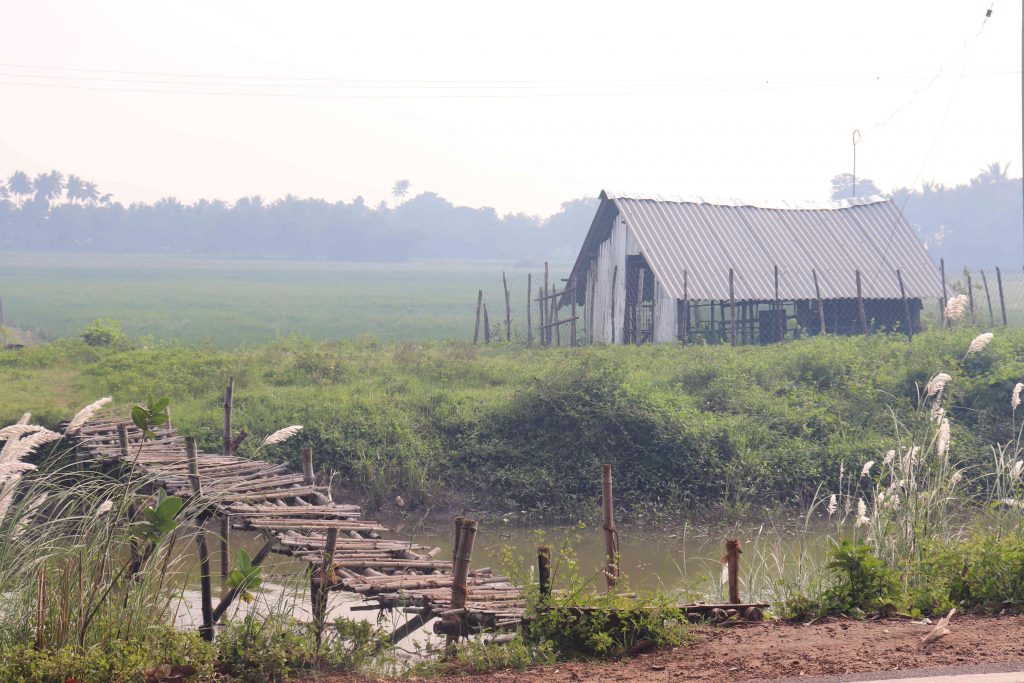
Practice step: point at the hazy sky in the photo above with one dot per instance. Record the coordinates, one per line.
(518, 106)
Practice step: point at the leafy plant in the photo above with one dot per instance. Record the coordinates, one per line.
(103, 332)
(153, 414)
(158, 519)
(245, 577)
(862, 582)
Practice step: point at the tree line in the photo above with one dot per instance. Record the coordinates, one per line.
(978, 223)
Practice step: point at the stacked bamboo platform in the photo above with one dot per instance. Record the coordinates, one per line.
(299, 519)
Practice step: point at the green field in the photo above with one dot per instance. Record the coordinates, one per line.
(231, 303)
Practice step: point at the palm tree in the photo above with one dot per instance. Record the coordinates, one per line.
(48, 185)
(19, 185)
(400, 189)
(89, 192)
(74, 188)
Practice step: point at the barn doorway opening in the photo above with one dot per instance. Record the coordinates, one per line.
(639, 319)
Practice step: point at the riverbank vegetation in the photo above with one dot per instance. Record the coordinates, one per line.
(511, 429)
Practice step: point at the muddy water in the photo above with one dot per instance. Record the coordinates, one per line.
(684, 560)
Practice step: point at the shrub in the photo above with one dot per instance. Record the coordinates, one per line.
(103, 332)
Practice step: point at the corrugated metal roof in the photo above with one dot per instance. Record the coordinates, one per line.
(705, 239)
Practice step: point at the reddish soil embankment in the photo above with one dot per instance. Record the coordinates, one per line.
(779, 650)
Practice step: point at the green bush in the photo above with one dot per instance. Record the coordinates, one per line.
(103, 332)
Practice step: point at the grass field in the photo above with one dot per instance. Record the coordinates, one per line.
(230, 303)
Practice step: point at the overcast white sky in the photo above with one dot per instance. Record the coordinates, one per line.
(518, 106)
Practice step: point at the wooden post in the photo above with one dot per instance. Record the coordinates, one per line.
(508, 309)
(460, 574)
(615, 276)
(554, 315)
(685, 327)
(529, 310)
(479, 304)
(228, 405)
(544, 571)
(970, 296)
(308, 477)
(1002, 301)
(122, 440)
(206, 589)
(459, 521)
(821, 307)
(988, 298)
(320, 583)
(547, 330)
(487, 327)
(732, 559)
(906, 306)
(611, 534)
(860, 307)
(590, 306)
(572, 321)
(945, 295)
(225, 541)
(732, 309)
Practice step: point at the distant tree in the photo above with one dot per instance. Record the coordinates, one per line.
(842, 187)
(48, 186)
(19, 185)
(89, 192)
(74, 189)
(401, 188)
(992, 174)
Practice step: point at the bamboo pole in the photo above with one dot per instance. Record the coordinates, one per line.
(732, 309)
(945, 294)
(529, 310)
(308, 476)
(544, 571)
(320, 583)
(455, 625)
(508, 309)
(732, 559)
(479, 304)
(554, 315)
(122, 440)
(906, 306)
(860, 307)
(487, 327)
(685, 327)
(970, 296)
(611, 534)
(225, 542)
(988, 298)
(540, 316)
(547, 336)
(206, 588)
(228, 406)
(615, 277)
(821, 307)
(572, 299)
(1002, 301)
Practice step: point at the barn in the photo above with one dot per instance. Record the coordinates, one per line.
(657, 269)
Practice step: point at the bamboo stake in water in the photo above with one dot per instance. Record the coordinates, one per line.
(611, 534)
(206, 589)
(732, 559)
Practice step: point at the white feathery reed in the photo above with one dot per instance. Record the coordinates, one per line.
(10, 469)
(281, 435)
(979, 342)
(862, 513)
(1015, 397)
(1012, 502)
(19, 430)
(104, 508)
(955, 479)
(1018, 467)
(866, 470)
(938, 413)
(942, 438)
(833, 504)
(19, 449)
(936, 384)
(890, 455)
(956, 307)
(85, 414)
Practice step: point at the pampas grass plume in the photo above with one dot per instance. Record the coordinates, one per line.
(1015, 398)
(956, 307)
(866, 470)
(281, 435)
(85, 414)
(979, 342)
(936, 384)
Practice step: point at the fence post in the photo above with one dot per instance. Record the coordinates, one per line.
(229, 403)
(615, 276)
(456, 627)
(508, 309)
(906, 306)
(684, 324)
(732, 559)
(860, 307)
(479, 304)
(732, 309)
(544, 571)
(529, 310)
(970, 295)
(1002, 301)
(122, 439)
(945, 295)
(487, 327)
(572, 299)
(821, 307)
(206, 590)
(544, 311)
(778, 307)
(320, 583)
(611, 534)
